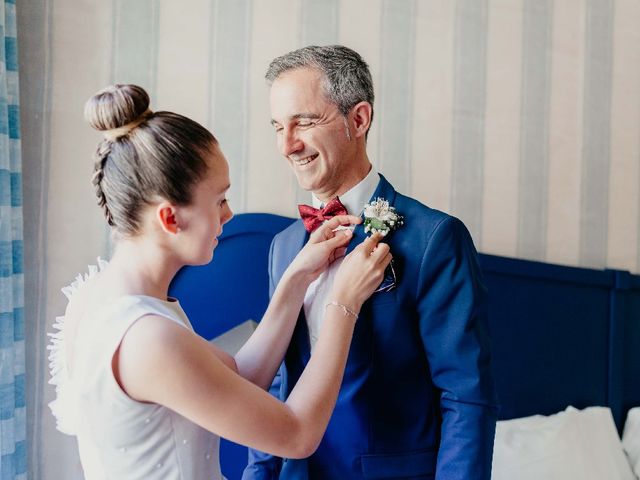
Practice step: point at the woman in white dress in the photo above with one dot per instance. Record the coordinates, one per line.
(146, 397)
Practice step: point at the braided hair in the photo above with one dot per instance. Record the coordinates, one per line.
(144, 156)
(102, 154)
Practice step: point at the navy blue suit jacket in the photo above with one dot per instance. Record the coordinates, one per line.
(417, 400)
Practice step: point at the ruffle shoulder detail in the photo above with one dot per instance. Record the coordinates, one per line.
(62, 406)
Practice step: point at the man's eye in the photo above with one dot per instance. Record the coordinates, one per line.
(277, 128)
(306, 124)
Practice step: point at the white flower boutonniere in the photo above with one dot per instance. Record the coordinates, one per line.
(380, 217)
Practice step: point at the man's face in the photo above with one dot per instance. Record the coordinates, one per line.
(311, 132)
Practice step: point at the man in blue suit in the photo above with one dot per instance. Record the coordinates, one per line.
(417, 401)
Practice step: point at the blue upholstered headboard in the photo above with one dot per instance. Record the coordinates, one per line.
(563, 336)
(628, 339)
(560, 335)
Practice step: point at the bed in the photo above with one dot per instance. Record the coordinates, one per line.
(561, 336)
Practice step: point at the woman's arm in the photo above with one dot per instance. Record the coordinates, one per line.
(161, 362)
(259, 359)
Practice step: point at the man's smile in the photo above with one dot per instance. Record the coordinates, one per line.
(304, 161)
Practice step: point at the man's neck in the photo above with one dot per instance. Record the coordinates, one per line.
(354, 178)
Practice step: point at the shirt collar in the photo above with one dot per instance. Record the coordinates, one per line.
(355, 199)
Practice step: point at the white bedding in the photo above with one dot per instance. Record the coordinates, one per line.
(570, 445)
(631, 439)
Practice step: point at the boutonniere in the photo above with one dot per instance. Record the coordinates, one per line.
(380, 217)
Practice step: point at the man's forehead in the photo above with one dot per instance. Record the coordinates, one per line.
(297, 97)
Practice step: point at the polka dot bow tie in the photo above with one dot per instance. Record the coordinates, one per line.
(314, 217)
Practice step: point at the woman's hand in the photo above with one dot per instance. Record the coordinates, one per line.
(361, 273)
(324, 246)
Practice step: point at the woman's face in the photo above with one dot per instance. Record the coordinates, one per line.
(201, 222)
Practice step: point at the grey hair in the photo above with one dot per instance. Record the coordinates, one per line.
(347, 79)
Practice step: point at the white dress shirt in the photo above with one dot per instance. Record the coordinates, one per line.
(317, 295)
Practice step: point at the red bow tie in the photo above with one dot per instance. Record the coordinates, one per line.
(314, 217)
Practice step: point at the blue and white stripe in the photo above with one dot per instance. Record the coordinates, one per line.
(13, 449)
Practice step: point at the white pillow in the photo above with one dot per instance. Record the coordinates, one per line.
(570, 445)
(631, 439)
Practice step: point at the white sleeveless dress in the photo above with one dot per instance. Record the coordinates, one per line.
(118, 437)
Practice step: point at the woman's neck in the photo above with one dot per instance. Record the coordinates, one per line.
(144, 268)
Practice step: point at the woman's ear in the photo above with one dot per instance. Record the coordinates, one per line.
(166, 214)
(361, 114)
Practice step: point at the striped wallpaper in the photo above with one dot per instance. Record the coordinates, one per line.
(515, 115)
(521, 117)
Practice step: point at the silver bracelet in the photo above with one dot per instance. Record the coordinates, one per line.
(345, 309)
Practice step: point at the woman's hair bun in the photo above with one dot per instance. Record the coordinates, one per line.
(116, 106)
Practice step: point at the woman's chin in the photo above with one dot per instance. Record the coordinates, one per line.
(199, 260)
(208, 258)
(202, 256)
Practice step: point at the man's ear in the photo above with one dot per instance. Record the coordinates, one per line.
(166, 214)
(361, 114)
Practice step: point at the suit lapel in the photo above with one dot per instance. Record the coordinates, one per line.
(290, 248)
(383, 190)
(297, 239)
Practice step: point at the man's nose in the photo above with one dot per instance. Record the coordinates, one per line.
(291, 143)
